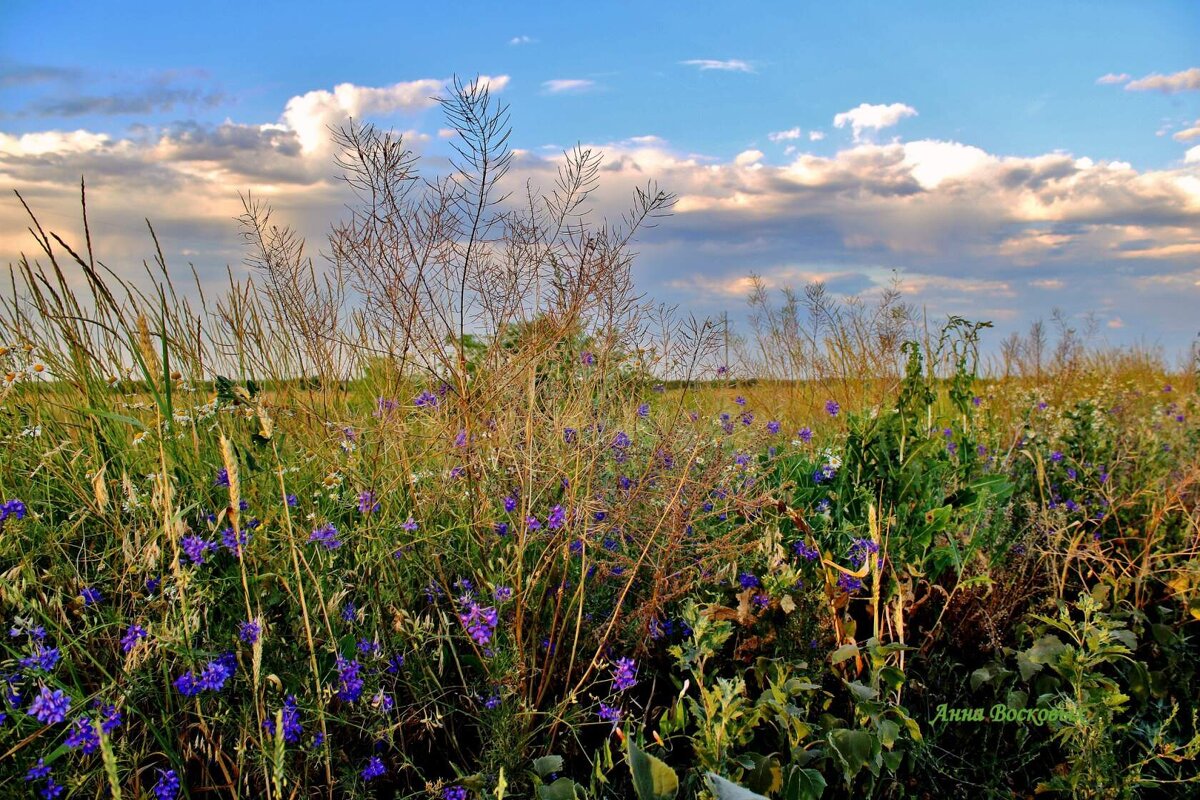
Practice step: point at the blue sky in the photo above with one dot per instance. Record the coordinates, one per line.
(983, 154)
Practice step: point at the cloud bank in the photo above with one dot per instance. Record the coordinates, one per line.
(962, 230)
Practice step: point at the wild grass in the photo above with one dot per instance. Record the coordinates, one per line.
(461, 513)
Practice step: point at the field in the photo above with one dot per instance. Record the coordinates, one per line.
(466, 517)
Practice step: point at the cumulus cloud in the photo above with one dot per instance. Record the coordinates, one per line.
(516, 41)
(1186, 81)
(311, 114)
(965, 230)
(1113, 77)
(568, 85)
(872, 117)
(729, 65)
(748, 158)
(784, 136)
(816, 136)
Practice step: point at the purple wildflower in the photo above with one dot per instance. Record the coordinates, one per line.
(643, 410)
(805, 551)
(194, 547)
(350, 683)
(222, 477)
(111, 719)
(291, 720)
(611, 714)
(624, 674)
(773, 427)
(825, 474)
(234, 541)
(91, 595)
(42, 658)
(367, 502)
(50, 706)
(586, 358)
(832, 408)
(374, 769)
(83, 736)
(848, 583)
(167, 787)
(249, 631)
(133, 634)
(425, 399)
(325, 535)
(860, 549)
(805, 435)
(217, 672)
(479, 622)
(13, 508)
(502, 594)
(557, 518)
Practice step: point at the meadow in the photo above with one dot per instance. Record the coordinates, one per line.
(458, 514)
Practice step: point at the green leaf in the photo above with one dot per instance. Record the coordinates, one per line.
(842, 653)
(1045, 650)
(861, 692)
(561, 789)
(854, 750)
(652, 779)
(546, 764)
(804, 784)
(115, 417)
(727, 790)
(889, 732)
(765, 774)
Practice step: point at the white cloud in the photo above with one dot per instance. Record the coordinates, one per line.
(784, 136)
(311, 114)
(748, 158)
(816, 136)
(51, 142)
(973, 232)
(872, 117)
(568, 85)
(1185, 81)
(932, 162)
(1112, 78)
(516, 41)
(1188, 133)
(730, 65)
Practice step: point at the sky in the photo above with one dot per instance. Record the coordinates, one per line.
(998, 160)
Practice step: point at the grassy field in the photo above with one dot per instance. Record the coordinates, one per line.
(479, 522)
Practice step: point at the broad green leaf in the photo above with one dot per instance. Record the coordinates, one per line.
(561, 789)
(854, 750)
(842, 653)
(804, 784)
(652, 779)
(546, 764)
